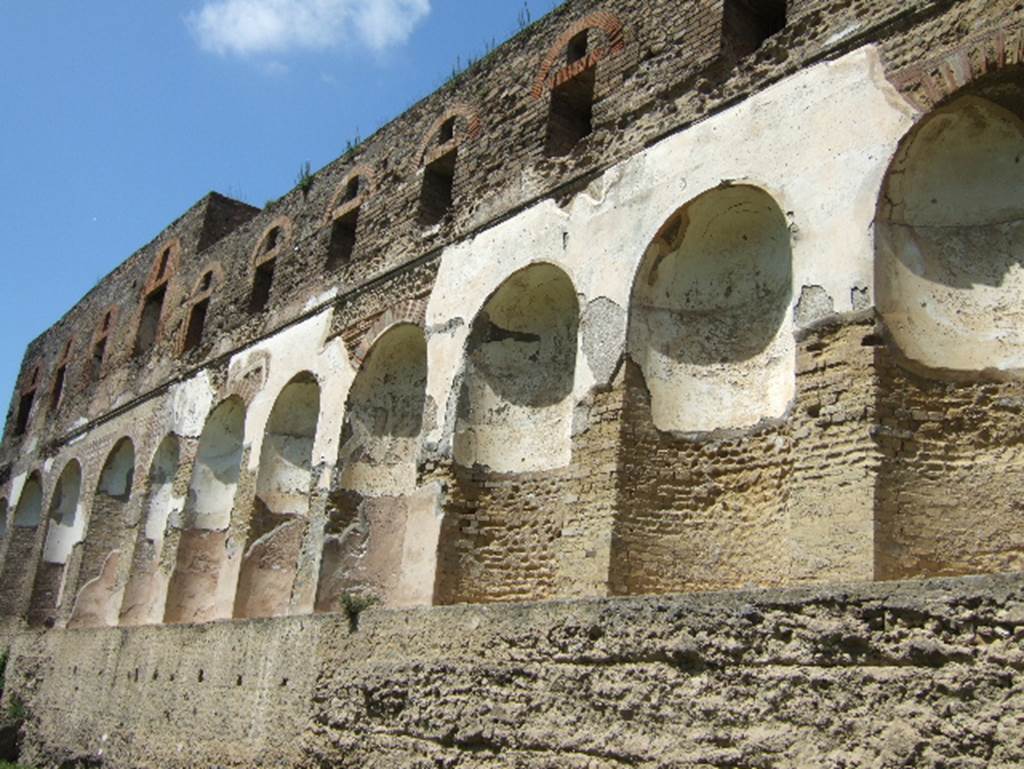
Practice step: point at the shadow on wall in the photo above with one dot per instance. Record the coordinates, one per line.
(382, 532)
(515, 406)
(281, 506)
(711, 347)
(98, 598)
(196, 592)
(142, 602)
(950, 285)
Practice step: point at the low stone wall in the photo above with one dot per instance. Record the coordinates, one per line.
(925, 674)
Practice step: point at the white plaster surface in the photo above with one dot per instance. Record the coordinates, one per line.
(818, 143)
(67, 524)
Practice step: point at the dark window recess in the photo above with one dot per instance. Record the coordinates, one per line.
(261, 285)
(749, 23)
(343, 238)
(272, 239)
(149, 323)
(438, 183)
(351, 190)
(162, 268)
(99, 352)
(447, 132)
(106, 321)
(24, 410)
(572, 113)
(58, 387)
(196, 324)
(577, 48)
(206, 282)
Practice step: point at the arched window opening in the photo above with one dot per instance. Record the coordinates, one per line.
(97, 602)
(747, 24)
(149, 322)
(196, 324)
(708, 319)
(571, 115)
(272, 240)
(64, 532)
(447, 132)
(351, 190)
(57, 391)
(437, 192)
(281, 505)
(262, 283)
(99, 347)
(141, 604)
(25, 403)
(343, 238)
(515, 406)
(195, 591)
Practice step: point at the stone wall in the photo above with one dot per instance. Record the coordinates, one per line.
(913, 674)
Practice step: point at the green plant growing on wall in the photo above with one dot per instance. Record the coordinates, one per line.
(355, 604)
(304, 179)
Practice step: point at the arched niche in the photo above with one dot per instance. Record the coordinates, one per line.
(65, 529)
(950, 240)
(384, 415)
(282, 502)
(709, 314)
(98, 598)
(28, 513)
(141, 604)
(63, 533)
(194, 593)
(950, 289)
(377, 512)
(16, 577)
(515, 404)
(211, 493)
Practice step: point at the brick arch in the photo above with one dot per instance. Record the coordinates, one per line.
(928, 83)
(258, 254)
(247, 382)
(367, 187)
(154, 279)
(411, 311)
(614, 33)
(471, 119)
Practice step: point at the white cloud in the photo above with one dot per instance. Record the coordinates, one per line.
(248, 27)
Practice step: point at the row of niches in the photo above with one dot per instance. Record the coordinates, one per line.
(570, 72)
(714, 443)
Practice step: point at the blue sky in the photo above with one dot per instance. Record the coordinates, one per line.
(114, 121)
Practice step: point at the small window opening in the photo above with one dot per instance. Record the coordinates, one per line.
(99, 352)
(343, 238)
(747, 24)
(106, 321)
(206, 282)
(577, 48)
(438, 185)
(273, 237)
(447, 132)
(572, 113)
(24, 411)
(149, 323)
(261, 285)
(34, 378)
(58, 387)
(162, 267)
(196, 324)
(351, 190)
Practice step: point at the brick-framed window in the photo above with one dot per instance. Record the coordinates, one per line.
(60, 377)
(343, 214)
(26, 401)
(99, 349)
(439, 152)
(154, 296)
(199, 306)
(269, 247)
